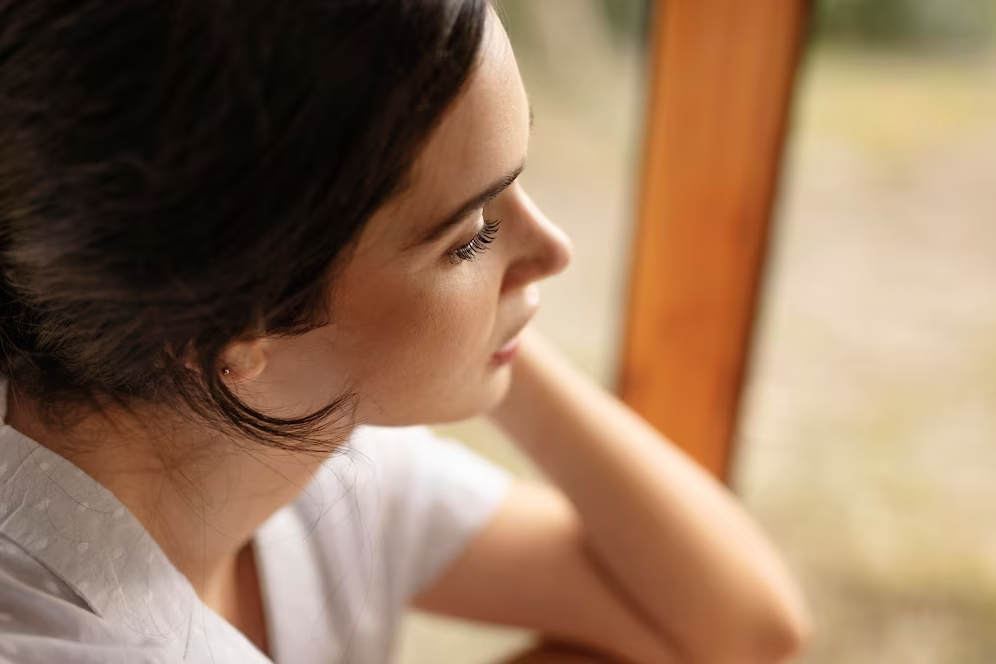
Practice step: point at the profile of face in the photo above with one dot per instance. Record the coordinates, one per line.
(442, 277)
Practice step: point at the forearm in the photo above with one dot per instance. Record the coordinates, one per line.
(673, 539)
(555, 653)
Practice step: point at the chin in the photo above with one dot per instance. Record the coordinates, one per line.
(500, 382)
(495, 385)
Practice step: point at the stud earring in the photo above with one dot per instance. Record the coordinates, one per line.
(225, 371)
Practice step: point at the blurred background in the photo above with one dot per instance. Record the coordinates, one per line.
(867, 445)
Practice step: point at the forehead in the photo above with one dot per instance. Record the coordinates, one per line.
(482, 136)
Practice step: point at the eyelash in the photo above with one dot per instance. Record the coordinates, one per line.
(478, 245)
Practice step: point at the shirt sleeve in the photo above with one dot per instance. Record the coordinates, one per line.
(435, 496)
(385, 518)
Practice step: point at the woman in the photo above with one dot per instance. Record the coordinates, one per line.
(247, 250)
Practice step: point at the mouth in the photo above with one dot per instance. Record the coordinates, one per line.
(510, 348)
(507, 353)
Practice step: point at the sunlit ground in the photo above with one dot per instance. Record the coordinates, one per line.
(869, 440)
(869, 446)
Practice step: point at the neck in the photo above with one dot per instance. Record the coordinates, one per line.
(200, 494)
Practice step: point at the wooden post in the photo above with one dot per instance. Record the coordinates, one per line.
(721, 83)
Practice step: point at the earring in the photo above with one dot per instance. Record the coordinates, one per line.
(225, 371)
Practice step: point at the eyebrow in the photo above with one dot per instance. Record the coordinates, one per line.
(492, 192)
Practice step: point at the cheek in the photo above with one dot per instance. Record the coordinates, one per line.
(418, 346)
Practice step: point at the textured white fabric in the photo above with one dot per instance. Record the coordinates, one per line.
(82, 582)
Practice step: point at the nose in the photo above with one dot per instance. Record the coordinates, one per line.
(541, 248)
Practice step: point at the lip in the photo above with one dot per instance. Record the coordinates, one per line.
(507, 352)
(511, 347)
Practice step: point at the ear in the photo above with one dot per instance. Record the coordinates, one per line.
(244, 360)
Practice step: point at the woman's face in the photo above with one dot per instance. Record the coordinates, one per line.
(420, 309)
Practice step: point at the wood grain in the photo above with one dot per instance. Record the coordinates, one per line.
(721, 83)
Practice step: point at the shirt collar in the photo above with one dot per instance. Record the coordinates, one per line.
(81, 532)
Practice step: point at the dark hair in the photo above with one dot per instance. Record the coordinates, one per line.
(177, 175)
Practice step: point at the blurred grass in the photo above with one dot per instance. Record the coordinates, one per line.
(911, 26)
(867, 446)
(895, 106)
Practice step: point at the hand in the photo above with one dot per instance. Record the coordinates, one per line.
(535, 353)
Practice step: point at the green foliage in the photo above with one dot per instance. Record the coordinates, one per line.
(515, 19)
(626, 19)
(961, 25)
(950, 25)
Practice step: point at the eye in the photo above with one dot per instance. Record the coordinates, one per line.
(478, 245)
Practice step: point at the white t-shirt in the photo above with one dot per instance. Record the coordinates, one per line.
(81, 581)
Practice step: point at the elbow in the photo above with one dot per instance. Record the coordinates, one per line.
(778, 642)
(774, 637)
(791, 628)
(774, 626)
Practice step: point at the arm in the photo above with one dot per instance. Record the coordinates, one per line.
(555, 653)
(652, 559)
(529, 568)
(673, 540)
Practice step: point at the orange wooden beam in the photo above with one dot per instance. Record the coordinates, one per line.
(722, 78)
